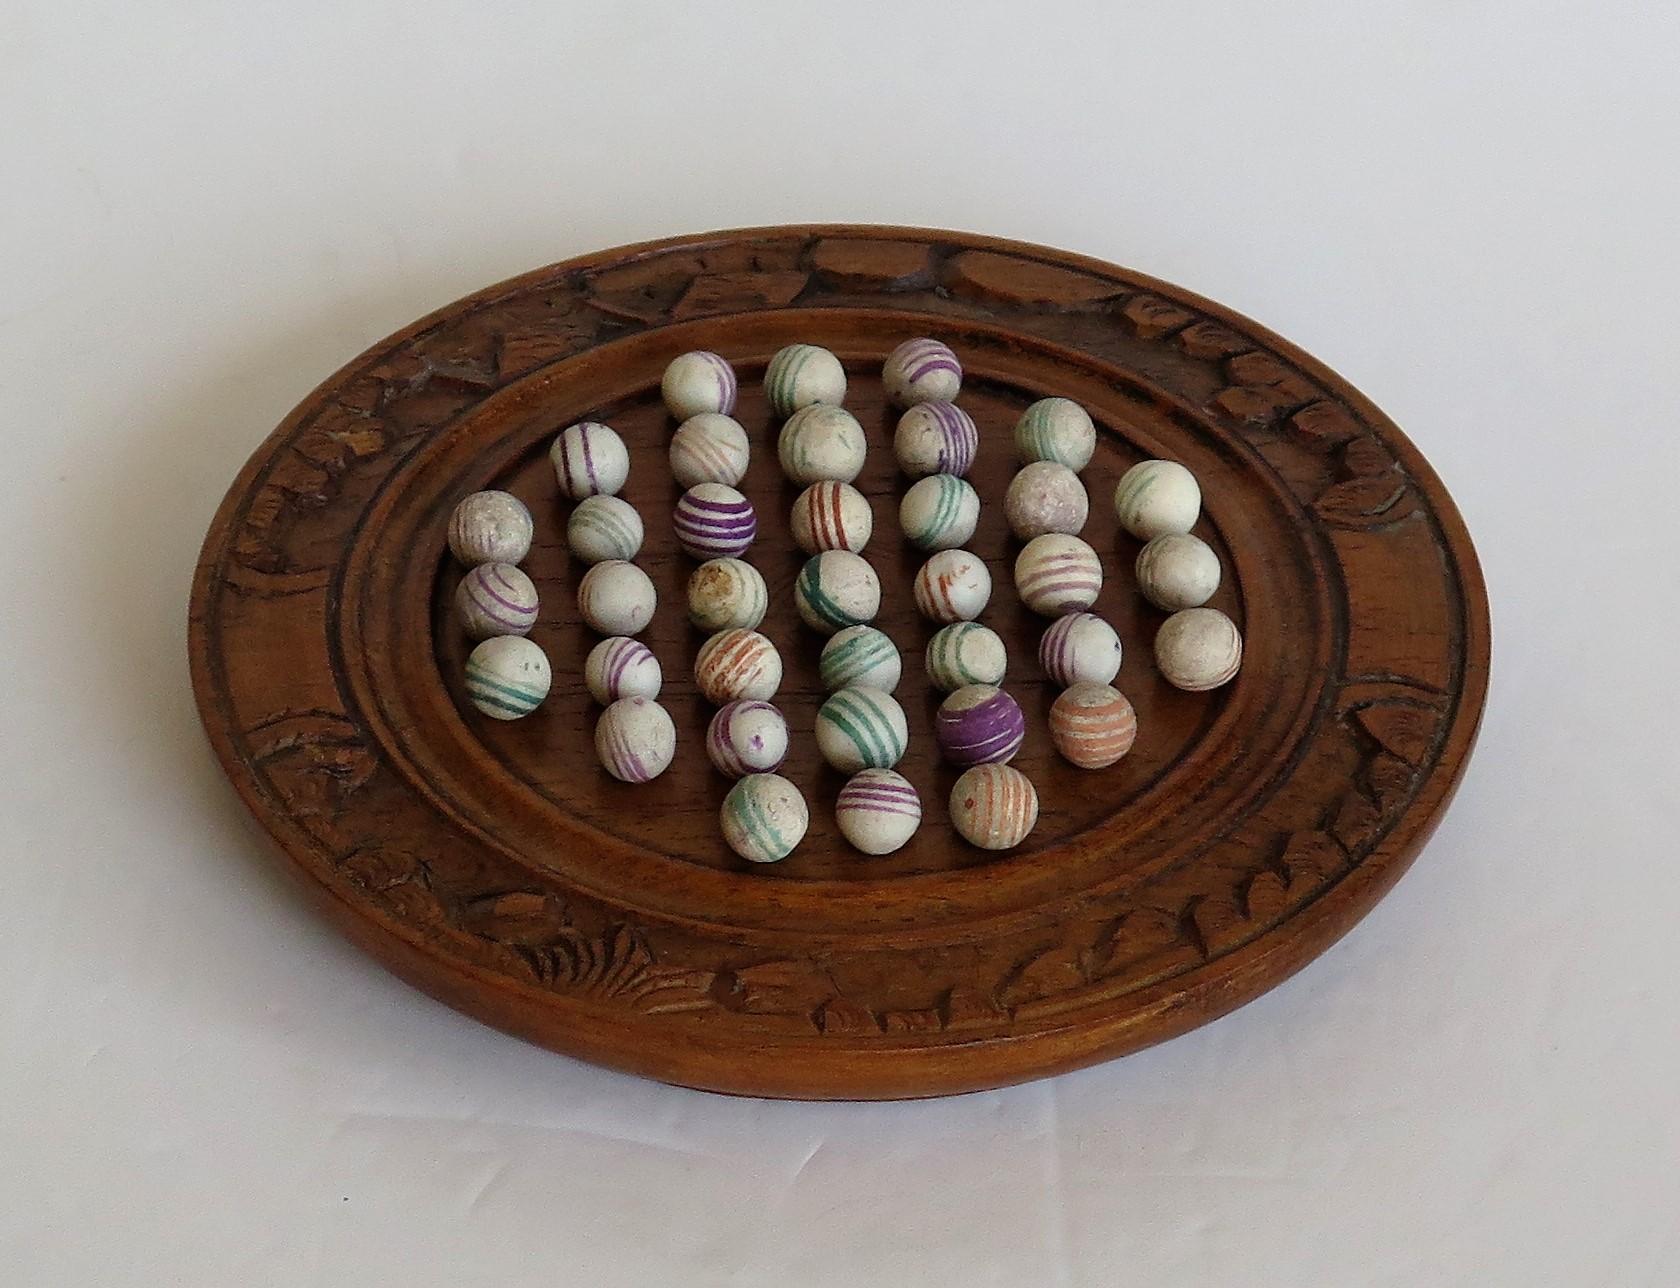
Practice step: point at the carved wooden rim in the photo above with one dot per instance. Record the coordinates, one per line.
(606, 971)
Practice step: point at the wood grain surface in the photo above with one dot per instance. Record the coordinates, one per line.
(499, 868)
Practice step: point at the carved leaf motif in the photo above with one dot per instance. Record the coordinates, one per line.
(1354, 503)
(1356, 823)
(987, 275)
(837, 1015)
(1262, 371)
(738, 293)
(524, 917)
(379, 867)
(855, 264)
(316, 759)
(1149, 317)
(774, 988)
(1211, 341)
(1265, 897)
(1251, 404)
(1401, 728)
(1365, 457)
(1391, 779)
(1058, 969)
(1327, 423)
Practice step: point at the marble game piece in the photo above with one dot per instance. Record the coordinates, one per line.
(737, 664)
(1045, 496)
(836, 589)
(860, 655)
(604, 527)
(589, 460)
(635, 740)
(939, 512)
(830, 515)
(952, 586)
(723, 593)
(994, 806)
(1056, 429)
(979, 724)
(965, 653)
(822, 442)
(709, 448)
(1080, 648)
(747, 737)
(801, 375)
(935, 438)
(1092, 725)
(763, 818)
(861, 728)
(878, 811)
(1056, 574)
(621, 667)
(714, 521)
(921, 370)
(1198, 649)
(616, 598)
(496, 599)
(1177, 570)
(698, 382)
(490, 527)
(507, 677)
(1154, 498)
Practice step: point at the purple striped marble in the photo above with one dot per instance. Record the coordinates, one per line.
(921, 370)
(878, 810)
(496, 599)
(714, 521)
(979, 725)
(936, 438)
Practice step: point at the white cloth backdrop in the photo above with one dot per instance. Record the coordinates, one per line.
(1469, 209)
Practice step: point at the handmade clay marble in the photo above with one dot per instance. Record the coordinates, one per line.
(965, 653)
(860, 655)
(939, 512)
(1045, 496)
(737, 664)
(1197, 649)
(589, 460)
(496, 599)
(994, 806)
(616, 598)
(698, 382)
(822, 442)
(1056, 574)
(935, 438)
(747, 737)
(490, 527)
(604, 527)
(861, 728)
(1154, 498)
(709, 448)
(836, 589)
(1092, 725)
(1056, 429)
(763, 818)
(1079, 648)
(952, 586)
(801, 375)
(979, 724)
(507, 677)
(620, 667)
(635, 740)
(726, 592)
(832, 516)
(920, 371)
(878, 810)
(713, 520)
(1177, 571)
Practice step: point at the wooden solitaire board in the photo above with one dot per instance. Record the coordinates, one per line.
(496, 866)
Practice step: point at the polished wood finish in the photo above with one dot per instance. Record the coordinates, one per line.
(498, 868)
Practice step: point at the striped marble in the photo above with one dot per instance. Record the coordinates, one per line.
(830, 515)
(1079, 648)
(878, 811)
(939, 512)
(861, 728)
(801, 375)
(604, 527)
(1198, 649)
(507, 677)
(635, 740)
(1154, 498)
(713, 520)
(698, 382)
(979, 724)
(726, 592)
(1056, 429)
(496, 599)
(1056, 574)
(965, 653)
(936, 438)
(621, 667)
(994, 806)
(822, 442)
(921, 370)
(860, 655)
(1092, 725)
(952, 586)
(737, 664)
(763, 818)
(709, 448)
(746, 737)
(589, 459)
(836, 589)
(616, 598)
(490, 527)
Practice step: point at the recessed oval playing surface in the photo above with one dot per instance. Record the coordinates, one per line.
(496, 865)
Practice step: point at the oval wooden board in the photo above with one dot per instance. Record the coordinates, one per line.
(498, 868)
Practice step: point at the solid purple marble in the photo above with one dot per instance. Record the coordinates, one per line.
(979, 725)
